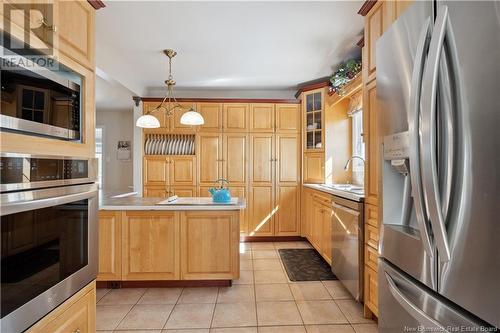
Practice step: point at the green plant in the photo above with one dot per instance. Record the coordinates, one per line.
(345, 72)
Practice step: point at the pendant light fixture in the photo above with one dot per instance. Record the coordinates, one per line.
(169, 104)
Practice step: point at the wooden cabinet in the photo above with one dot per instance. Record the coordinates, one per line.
(287, 159)
(164, 173)
(262, 210)
(156, 170)
(287, 210)
(155, 192)
(210, 245)
(235, 164)
(262, 159)
(212, 114)
(75, 30)
(317, 225)
(77, 314)
(287, 118)
(307, 213)
(110, 246)
(182, 170)
(150, 245)
(210, 158)
(184, 191)
(371, 290)
(313, 104)
(314, 168)
(373, 178)
(326, 234)
(262, 117)
(235, 117)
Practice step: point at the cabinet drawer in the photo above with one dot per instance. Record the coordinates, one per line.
(371, 236)
(322, 199)
(371, 257)
(371, 215)
(371, 290)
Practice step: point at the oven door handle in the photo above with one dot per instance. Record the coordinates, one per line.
(32, 200)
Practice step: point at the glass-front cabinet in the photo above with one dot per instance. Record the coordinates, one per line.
(314, 120)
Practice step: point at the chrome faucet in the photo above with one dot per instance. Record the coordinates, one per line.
(346, 166)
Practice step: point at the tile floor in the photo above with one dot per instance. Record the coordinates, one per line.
(263, 300)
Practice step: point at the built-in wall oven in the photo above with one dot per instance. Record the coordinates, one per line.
(49, 239)
(42, 101)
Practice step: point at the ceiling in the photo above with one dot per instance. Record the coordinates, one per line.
(244, 48)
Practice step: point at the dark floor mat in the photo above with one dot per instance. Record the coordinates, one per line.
(305, 265)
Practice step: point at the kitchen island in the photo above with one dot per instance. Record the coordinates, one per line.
(178, 243)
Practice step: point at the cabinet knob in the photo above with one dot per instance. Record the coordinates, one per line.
(77, 330)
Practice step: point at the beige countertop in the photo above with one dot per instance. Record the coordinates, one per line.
(182, 203)
(337, 192)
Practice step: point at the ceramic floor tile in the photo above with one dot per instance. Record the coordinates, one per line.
(282, 329)
(197, 330)
(160, 296)
(146, 316)
(273, 292)
(122, 296)
(135, 331)
(262, 246)
(353, 311)
(264, 254)
(198, 295)
(308, 291)
(278, 313)
(329, 329)
(234, 330)
(321, 312)
(365, 328)
(100, 292)
(236, 294)
(246, 277)
(337, 290)
(235, 315)
(246, 255)
(245, 246)
(270, 277)
(246, 265)
(266, 264)
(109, 316)
(190, 316)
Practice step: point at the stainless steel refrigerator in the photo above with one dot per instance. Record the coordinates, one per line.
(438, 88)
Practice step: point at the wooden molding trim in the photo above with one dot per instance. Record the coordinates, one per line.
(97, 4)
(163, 284)
(311, 85)
(226, 100)
(272, 239)
(361, 42)
(367, 5)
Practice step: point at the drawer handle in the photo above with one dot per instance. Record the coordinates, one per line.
(77, 330)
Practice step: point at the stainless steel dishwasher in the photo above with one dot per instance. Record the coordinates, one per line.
(347, 244)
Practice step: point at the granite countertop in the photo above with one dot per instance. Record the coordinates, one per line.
(354, 196)
(182, 203)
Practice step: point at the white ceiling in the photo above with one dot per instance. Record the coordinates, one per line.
(224, 46)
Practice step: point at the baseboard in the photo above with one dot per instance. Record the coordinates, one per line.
(272, 239)
(163, 284)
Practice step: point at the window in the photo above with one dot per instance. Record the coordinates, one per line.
(99, 154)
(358, 146)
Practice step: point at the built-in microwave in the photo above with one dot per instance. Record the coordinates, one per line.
(48, 219)
(37, 100)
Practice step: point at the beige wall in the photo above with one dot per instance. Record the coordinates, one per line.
(117, 126)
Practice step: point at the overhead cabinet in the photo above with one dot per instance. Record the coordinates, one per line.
(235, 117)
(262, 117)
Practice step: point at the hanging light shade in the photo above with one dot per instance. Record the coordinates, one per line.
(147, 121)
(169, 104)
(192, 118)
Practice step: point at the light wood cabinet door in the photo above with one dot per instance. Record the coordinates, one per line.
(156, 170)
(262, 210)
(209, 245)
(287, 118)
(286, 221)
(77, 314)
(326, 233)
(184, 191)
(372, 144)
(371, 290)
(235, 117)
(306, 213)
(262, 159)
(110, 246)
(262, 117)
(287, 159)
(150, 245)
(76, 30)
(210, 158)
(155, 192)
(316, 225)
(160, 115)
(212, 114)
(182, 170)
(314, 168)
(235, 158)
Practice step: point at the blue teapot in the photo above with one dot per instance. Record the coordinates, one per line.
(220, 194)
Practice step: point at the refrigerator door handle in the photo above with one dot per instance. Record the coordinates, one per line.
(420, 316)
(414, 129)
(428, 137)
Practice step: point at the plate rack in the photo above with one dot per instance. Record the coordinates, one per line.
(169, 144)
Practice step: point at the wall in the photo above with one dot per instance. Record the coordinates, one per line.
(117, 126)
